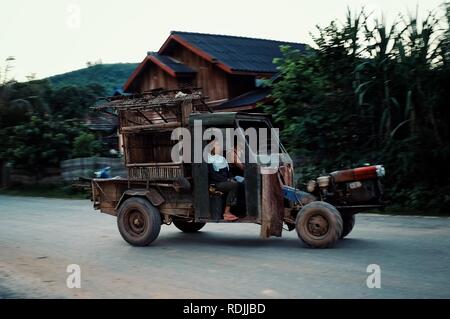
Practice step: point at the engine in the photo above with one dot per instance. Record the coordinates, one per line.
(358, 186)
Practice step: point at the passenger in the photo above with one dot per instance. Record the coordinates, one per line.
(220, 175)
(236, 158)
(236, 154)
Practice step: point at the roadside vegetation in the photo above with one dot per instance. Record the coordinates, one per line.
(42, 124)
(63, 190)
(373, 92)
(369, 91)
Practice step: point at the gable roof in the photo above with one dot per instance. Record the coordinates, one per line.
(167, 63)
(246, 99)
(173, 66)
(232, 52)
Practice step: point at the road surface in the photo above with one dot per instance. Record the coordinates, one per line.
(40, 237)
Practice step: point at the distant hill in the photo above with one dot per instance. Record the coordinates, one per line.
(107, 75)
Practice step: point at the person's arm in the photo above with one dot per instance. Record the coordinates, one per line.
(237, 160)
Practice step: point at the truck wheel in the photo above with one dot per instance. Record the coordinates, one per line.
(187, 226)
(319, 225)
(348, 223)
(139, 221)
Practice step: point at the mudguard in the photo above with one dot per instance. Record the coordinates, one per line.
(154, 197)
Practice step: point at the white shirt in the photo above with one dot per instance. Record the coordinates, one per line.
(218, 162)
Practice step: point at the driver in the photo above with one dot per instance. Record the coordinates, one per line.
(220, 175)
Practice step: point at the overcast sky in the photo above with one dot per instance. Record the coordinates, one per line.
(49, 37)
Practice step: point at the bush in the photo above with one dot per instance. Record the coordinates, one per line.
(369, 93)
(86, 145)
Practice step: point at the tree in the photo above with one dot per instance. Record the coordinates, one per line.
(85, 145)
(40, 126)
(372, 93)
(4, 78)
(73, 101)
(39, 144)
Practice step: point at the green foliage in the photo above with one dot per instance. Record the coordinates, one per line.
(19, 100)
(85, 145)
(109, 75)
(40, 126)
(42, 142)
(370, 93)
(74, 101)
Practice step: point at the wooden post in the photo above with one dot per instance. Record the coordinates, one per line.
(186, 110)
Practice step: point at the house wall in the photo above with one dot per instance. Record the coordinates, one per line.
(216, 83)
(210, 78)
(153, 77)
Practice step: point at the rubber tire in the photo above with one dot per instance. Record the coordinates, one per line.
(348, 224)
(188, 227)
(327, 211)
(152, 218)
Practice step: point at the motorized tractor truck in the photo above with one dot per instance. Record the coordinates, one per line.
(159, 190)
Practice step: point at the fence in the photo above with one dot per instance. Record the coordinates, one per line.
(85, 167)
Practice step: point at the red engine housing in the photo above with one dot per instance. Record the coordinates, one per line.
(355, 174)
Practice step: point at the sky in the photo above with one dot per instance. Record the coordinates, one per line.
(49, 37)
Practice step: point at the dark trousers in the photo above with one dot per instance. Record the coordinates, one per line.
(229, 188)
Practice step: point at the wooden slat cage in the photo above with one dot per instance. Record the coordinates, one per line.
(146, 122)
(156, 171)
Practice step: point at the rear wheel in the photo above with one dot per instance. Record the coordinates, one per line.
(139, 222)
(188, 226)
(319, 225)
(348, 223)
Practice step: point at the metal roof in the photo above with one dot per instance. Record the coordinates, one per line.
(249, 98)
(239, 53)
(176, 66)
(221, 119)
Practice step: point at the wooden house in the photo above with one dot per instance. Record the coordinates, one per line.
(226, 68)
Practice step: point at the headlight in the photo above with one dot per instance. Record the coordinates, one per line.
(311, 186)
(323, 181)
(380, 170)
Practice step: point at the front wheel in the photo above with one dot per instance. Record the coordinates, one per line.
(188, 226)
(349, 223)
(319, 225)
(139, 222)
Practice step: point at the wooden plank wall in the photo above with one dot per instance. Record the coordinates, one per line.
(209, 77)
(153, 77)
(153, 147)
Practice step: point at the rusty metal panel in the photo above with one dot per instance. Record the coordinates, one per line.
(201, 193)
(287, 174)
(151, 194)
(154, 197)
(272, 205)
(253, 190)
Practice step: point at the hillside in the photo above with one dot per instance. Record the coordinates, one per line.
(108, 75)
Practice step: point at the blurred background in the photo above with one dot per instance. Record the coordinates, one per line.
(373, 86)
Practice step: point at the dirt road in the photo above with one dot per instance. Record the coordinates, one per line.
(40, 237)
